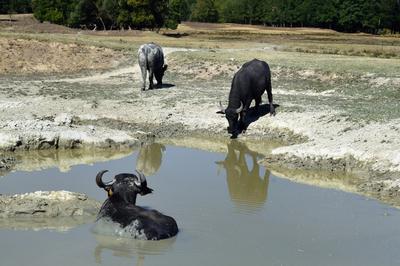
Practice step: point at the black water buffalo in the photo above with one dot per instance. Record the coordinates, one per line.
(120, 208)
(151, 58)
(248, 84)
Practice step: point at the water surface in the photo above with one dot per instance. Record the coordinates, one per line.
(230, 211)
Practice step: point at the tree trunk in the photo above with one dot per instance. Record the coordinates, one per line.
(102, 23)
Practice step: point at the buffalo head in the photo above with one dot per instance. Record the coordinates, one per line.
(124, 187)
(159, 74)
(232, 115)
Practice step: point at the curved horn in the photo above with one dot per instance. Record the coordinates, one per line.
(221, 108)
(240, 108)
(141, 176)
(99, 182)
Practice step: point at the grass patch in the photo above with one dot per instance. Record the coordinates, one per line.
(361, 89)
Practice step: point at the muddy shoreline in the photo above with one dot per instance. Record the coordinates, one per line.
(349, 174)
(102, 111)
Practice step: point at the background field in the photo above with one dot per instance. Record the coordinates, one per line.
(338, 94)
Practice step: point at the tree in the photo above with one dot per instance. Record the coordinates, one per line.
(230, 12)
(205, 11)
(179, 10)
(391, 15)
(107, 12)
(84, 13)
(148, 13)
(15, 6)
(350, 15)
(56, 11)
(371, 16)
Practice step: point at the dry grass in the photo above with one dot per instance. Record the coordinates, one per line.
(304, 40)
(210, 36)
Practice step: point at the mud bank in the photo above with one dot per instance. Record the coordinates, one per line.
(317, 127)
(59, 210)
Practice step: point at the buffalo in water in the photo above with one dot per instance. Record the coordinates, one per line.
(151, 58)
(248, 84)
(120, 208)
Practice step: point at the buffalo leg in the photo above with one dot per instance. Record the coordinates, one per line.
(257, 107)
(151, 74)
(242, 125)
(144, 74)
(271, 105)
(269, 93)
(243, 113)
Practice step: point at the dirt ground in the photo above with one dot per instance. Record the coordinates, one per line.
(21, 57)
(337, 114)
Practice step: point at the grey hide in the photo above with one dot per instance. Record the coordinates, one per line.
(151, 59)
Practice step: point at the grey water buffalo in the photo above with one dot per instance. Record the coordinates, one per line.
(248, 84)
(151, 59)
(120, 208)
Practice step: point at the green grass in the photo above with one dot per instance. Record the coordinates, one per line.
(347, 84)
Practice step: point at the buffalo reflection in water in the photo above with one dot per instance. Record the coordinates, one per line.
(149, 158)
(247, 189)
(130, 248)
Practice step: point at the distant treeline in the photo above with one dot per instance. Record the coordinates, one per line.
(15, 6)
(372, 16)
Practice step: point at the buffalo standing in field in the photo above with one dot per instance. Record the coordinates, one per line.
(248, 84)
(151, 58)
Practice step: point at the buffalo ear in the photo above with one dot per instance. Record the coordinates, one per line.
(165, 67)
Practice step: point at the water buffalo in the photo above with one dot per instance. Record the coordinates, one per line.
(151, 58)
(120, 209)
(248, 84)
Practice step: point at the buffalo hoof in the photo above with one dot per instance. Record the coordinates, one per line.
(234, 136)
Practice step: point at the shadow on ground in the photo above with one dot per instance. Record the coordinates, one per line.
(165, 86)
(253, 114)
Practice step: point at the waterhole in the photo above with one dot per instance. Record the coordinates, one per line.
(229, 209)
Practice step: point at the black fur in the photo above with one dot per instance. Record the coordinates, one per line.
(248, 84)
(120, 208)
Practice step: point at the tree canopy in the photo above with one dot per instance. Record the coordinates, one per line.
(15, 6)
(371, 16)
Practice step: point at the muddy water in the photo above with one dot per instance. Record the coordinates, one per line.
(230, 211)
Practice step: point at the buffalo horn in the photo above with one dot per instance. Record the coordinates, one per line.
(221, 107)
(240, 108)
(142, 178)
(99, 180)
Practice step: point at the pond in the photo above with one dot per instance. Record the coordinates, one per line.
(230, 211)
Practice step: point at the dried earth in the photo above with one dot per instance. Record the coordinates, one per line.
(337, 115)
(47, 209)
